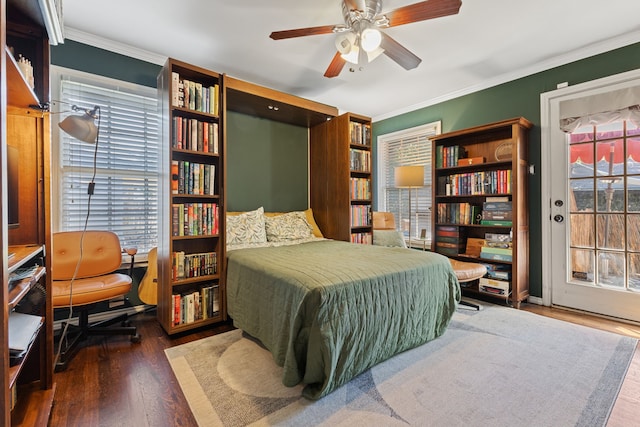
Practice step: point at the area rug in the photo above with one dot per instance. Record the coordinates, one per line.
(496, 367)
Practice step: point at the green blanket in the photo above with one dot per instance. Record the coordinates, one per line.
(329, 310)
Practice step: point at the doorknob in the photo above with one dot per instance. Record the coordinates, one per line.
(558, 203)
(558, 218)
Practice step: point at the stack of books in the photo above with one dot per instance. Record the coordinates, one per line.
(497, 247)
(450, 240)
(497, 211)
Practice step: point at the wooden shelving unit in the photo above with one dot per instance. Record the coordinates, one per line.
(27, 381)
(340, 176)
(191, 199)
(494, 167)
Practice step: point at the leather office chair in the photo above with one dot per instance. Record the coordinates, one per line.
(91, 281)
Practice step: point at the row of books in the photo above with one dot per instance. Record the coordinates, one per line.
(197, 305)
(362, 238)
(360, 189)
(192, 178)
(195, 135)
(186, 266)
(360, 160)
(475, 183)
(360, 215)
(360, 133)
(447, 157)
(458, 213)
(195, 219)
(194, 95)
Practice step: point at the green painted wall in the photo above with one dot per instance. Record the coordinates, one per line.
(79, 56)
(513, 99)
(267, 164)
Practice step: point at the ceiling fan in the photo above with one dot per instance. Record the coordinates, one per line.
(359, 41)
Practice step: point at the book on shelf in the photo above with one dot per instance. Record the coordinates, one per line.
(496, 257)
(496, 250)
(186, 266)
(194, 95)
(194, 135)
(448, 156)
(23, 329)
(192, 306)
(192, 178)
(362, 238)
(494, 287)
(497, 222)
(195, 219)
(360, 133)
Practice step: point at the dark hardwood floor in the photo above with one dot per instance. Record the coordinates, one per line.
(112, 382)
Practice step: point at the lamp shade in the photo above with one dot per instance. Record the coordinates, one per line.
(409, 176)
(82, 127)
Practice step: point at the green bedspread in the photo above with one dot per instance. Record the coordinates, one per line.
(328, 310)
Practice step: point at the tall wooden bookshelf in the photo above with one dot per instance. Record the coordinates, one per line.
(191, 248)
(481, 202)
(340, 177)
(28, 389)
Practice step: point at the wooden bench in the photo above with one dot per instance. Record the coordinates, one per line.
(467, 272)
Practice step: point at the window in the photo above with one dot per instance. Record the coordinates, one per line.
(125, 199)
(409, 147)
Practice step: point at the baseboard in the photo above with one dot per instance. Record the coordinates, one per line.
(105, 315)
(535, 300)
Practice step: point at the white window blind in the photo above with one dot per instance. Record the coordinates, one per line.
(125, 199)
(410, 147)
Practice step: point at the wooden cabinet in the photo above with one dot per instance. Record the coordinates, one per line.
(340, 177)
(481, 204)
(26, 234)
(191, 249)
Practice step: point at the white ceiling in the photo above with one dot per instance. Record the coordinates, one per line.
(487, 43)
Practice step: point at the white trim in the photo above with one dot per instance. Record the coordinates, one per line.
(575, 55)
(113, 46)
(546, 121)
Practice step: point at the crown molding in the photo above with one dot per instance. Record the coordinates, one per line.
(113, 46)
(576, 55)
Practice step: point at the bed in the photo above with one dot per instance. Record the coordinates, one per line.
(328, 310)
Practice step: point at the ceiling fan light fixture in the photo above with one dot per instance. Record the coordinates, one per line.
(345, 42)
(370, 39)
(352, 55)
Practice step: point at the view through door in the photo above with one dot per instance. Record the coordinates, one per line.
(594, 204)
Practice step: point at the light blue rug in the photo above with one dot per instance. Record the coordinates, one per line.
(496, 367)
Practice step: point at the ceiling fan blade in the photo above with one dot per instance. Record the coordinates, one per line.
(301, 32)
(337, 63)
(422, 11)
(403, 56)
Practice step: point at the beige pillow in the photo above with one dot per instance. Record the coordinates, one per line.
(287, 226)
(247, 227)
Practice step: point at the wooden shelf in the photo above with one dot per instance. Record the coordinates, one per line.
(331, 144)
(19, 93)
(483, 141)
(169, 244)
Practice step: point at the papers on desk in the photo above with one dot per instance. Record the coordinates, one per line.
(23, 329)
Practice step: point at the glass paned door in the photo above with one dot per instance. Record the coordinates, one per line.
(601, 227)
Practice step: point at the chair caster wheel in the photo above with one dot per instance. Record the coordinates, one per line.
(136, 338)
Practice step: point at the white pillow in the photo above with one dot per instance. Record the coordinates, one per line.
(247, 227)
(288, 226)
